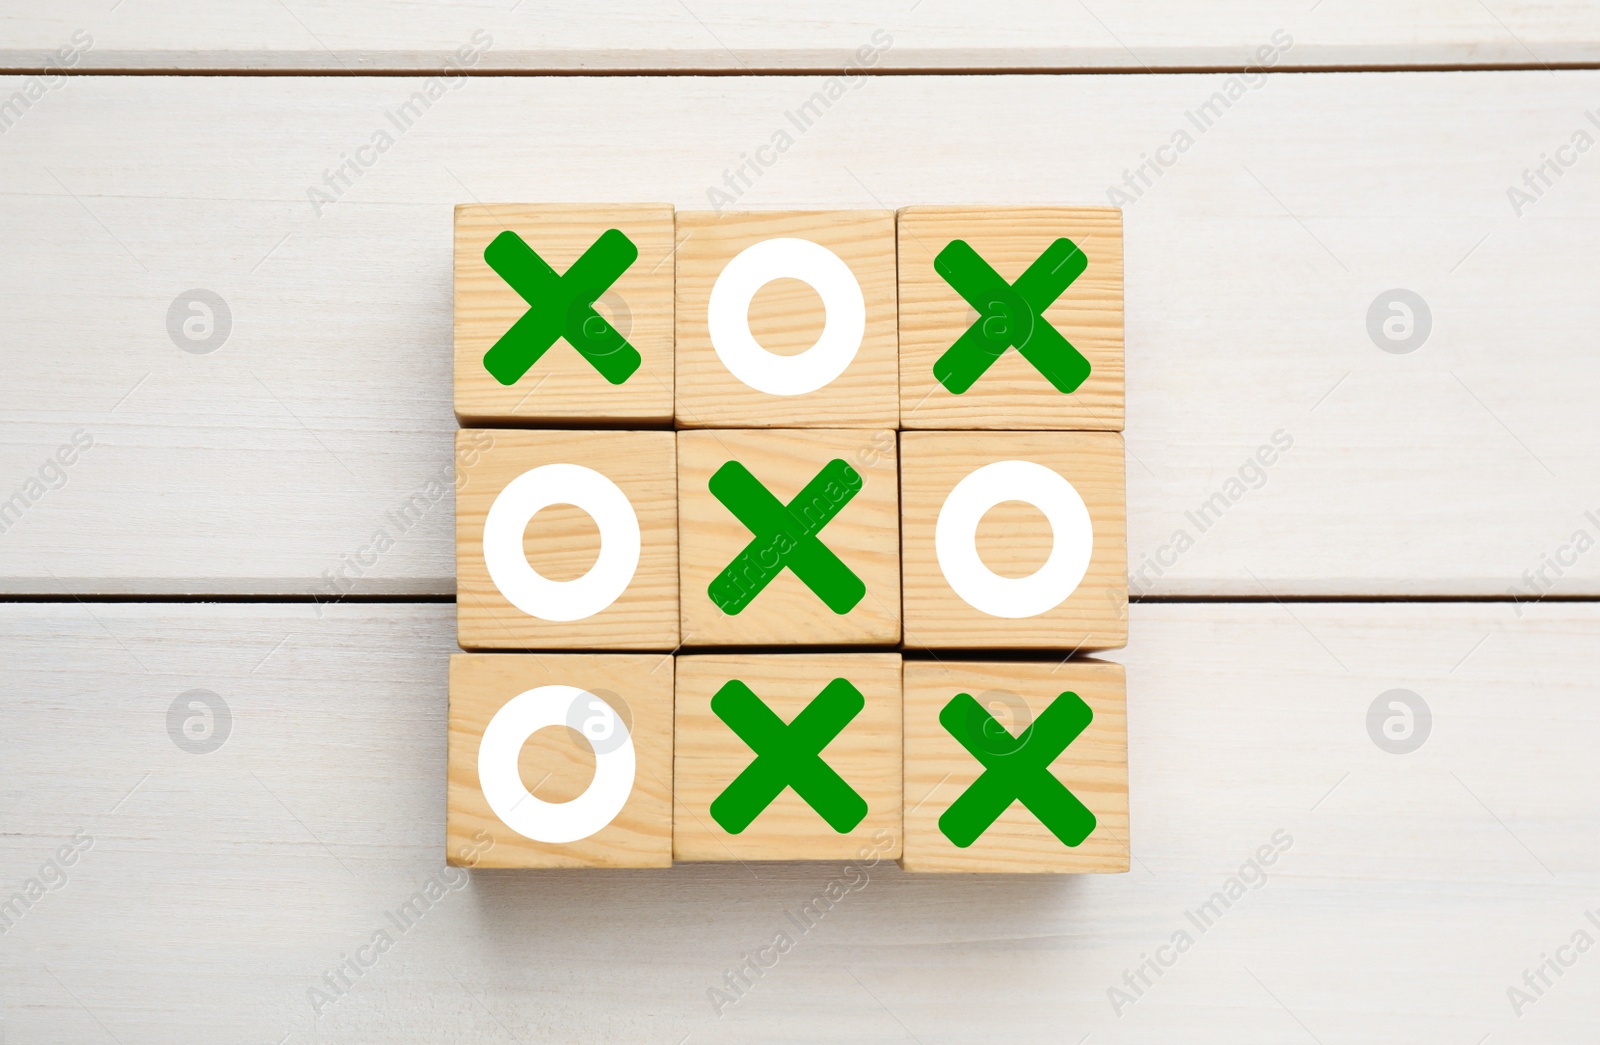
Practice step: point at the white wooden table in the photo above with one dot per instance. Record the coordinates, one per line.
(1420, 533)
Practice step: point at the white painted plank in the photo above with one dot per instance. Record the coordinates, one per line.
(220, 887)
(1251, 265)
(728, 36)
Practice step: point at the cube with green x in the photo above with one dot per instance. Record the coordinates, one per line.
(785, 536)
(1016, 769)
(791, 756)
(561, 305)
(788, 756)
(1011, 315)
(1015, 766)
(789, 537)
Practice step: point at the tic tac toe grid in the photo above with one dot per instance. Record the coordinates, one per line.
(783, 536)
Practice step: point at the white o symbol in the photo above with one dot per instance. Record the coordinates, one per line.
(508, 518)
(552, 822)
(955, 539)
(728, 316)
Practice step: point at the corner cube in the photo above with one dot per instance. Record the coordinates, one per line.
(559, 760)
(563, 313)
(1011, 318)
(1016, 767)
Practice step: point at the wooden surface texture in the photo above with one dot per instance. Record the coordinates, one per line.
(1359, 318)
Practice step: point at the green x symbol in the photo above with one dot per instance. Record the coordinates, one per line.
(561, 306)
(786, 536)
(1016, 769)
(788, 756)
(1011, 314)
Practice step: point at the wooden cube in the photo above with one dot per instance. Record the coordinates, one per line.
(560, 760)
(566, 540)
(789, 537)
(734, 797)
(958, 308)
(786, 320)
(1014, 540)
(1054, 744)
(541, 337)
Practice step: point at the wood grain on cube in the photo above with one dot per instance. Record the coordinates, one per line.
(557, 763)
(1013, 540)
(1012, 393)
(786, 317)
(562, 387)
(562, 542)
(708, 756)
(864, 536)
(938, 770)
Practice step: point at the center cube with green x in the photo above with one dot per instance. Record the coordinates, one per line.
(788, 537)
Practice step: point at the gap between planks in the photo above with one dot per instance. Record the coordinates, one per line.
(822, 70)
